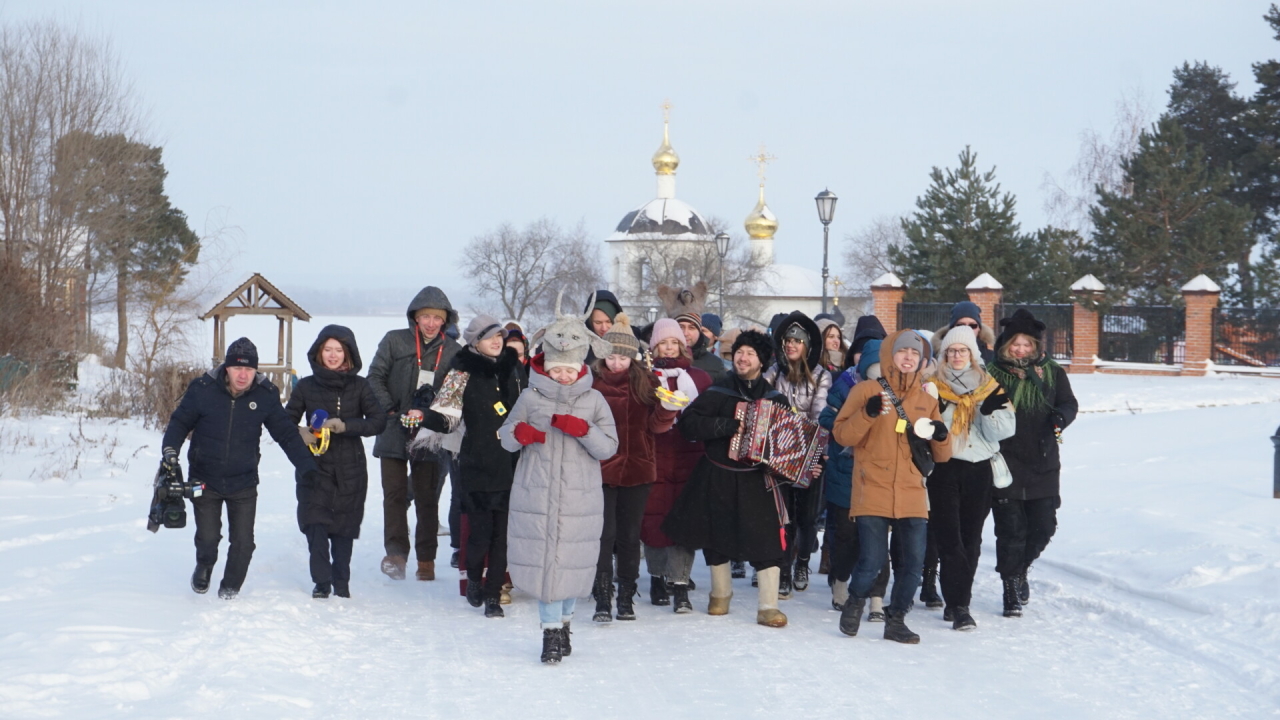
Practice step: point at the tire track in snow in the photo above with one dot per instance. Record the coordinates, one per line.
(72, 534)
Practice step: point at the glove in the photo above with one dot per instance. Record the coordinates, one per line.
(875, 405)
(570, 425)
(1056, 419)
(307, 436)
(940, 432)
(527, 434)
(169, 459)
(994, 402)
(727, 427)
(680, 401)
(335, 425)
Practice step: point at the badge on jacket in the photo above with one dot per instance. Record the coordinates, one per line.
(499, 408)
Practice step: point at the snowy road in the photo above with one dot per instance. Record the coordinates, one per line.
(1159, 597)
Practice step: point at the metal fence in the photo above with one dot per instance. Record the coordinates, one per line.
(924, 316)
(1143, 334)
(1248, 337)
(1059, 332)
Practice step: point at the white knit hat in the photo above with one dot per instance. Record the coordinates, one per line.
(960, 335)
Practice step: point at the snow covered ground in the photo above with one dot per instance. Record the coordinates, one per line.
(1159, 597)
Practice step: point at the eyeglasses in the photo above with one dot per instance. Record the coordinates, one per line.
(957, 352)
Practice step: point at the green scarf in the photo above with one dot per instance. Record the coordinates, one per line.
(1029, 383)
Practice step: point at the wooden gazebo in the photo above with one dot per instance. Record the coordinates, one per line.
(257, 296)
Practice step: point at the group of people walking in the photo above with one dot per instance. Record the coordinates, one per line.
(578, 451)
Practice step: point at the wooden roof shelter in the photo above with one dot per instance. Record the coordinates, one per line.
(257, 296)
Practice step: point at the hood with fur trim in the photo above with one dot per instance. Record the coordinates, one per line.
(814, 346)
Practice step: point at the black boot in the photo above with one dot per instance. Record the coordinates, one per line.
(800, 581)
(342, 589)
(658, 591)
(962, 620)
(321, 591)
(851, 616)
(200, 578)
(475, 593)
(626, 600)
(738, 569)
(929, 589)
(948, 614)
(895, 629)
(784, 583)
(551, 646)
(227, 593)
(566, 648)
(453, 560)
(493, 607)
(603, 594)
(1024, 588)
(1012, 608)
(680, 599)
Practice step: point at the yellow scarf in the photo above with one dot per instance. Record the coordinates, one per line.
(965, 404)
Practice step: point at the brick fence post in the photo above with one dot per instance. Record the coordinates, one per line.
(986, 292)
(1086, 324)
(1201, 298)
(887, 291)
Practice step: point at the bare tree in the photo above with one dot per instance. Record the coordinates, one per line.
(866, 252)
(525, 269)
(1098, 165)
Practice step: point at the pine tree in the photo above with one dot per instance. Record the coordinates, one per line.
(1175, 223)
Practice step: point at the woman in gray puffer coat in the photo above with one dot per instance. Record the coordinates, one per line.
(563, 429)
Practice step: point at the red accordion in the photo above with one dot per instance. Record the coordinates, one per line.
(785, 442)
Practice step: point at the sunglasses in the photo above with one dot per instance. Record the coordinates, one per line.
(968, 325)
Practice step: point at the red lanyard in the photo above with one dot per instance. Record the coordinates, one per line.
(417, 346)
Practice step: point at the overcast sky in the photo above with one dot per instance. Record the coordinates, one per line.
(364, 144)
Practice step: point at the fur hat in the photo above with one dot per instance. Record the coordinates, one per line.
(1022, 322)
(565, 341)
(667, 328)
(483, 327)
(960, 335)
(757, 341)
(685, 304)
(242, 353)
(622, 338)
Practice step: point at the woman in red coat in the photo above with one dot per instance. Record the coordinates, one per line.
(628, 476)
(668, 562)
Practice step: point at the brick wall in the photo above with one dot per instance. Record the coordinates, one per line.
(884, 303)
(1086, 326)
(1199, 348)
(987, 300)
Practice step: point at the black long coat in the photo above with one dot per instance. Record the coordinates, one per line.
(1032, 452)
(726, 506)
(336, 497)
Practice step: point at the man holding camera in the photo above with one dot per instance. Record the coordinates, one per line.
(224, 411)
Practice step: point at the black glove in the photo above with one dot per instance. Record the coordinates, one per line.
(994, 402)
(875, 405)
(169, 461)
(1056, 419)
(939, 431)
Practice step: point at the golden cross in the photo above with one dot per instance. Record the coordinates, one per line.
(666, 110)
(836, 283)
(762, 159)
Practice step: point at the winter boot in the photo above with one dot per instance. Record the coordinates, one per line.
(626, 599)
(603, 594)
(551, 646)
(962, 620)
(426, 570)
(739, 569)
(680, 599)
(839, 594)
(658, 591)
(493, 608)
(1024, 587)
(321, 591)
(504, 597)
(851, 616)
(721, 589)
(341, 589)
(475, 593)
(1012, 608)
(895, 629)
(227, 593)
(948, 614)
(784, 583)
(393, 566)
(800, 581)
(929, 589)
(824, 561)
(453, 560)
(755, 578)
(200, 578)
(566, 648)
(876, 613)
(768, 613)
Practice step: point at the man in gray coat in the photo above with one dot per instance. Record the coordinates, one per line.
(406, 360)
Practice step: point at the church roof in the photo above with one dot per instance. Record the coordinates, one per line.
(664, 219)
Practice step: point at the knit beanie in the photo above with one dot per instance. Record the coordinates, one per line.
(910, 339)
(960, 335)
(711, 321)
(667, 328)
(622, 338)
(242, 353)
(966, 309)
(757, 341)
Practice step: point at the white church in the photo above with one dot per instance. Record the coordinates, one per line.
(673, 228)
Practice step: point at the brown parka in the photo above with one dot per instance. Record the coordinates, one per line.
(886, 482)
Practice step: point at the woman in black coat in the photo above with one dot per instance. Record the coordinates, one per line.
(331, 508)
(1026, 511)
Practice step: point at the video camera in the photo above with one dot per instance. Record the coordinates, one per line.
(167, 505)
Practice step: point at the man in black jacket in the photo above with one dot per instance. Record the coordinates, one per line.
(225, 410)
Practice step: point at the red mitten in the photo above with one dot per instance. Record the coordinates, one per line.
(570, 425)
(527, 434)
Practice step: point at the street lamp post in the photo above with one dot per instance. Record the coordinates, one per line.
(826, 210)
(722, 248)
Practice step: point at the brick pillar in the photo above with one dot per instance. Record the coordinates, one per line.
(1201, 298)
(986, 292)
(1086, 324)
(887, 291)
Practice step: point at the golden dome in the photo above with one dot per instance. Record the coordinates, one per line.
(665, 160)
(761, 224)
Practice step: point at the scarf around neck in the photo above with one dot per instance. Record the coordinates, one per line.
(976, 387)
(1029, 382)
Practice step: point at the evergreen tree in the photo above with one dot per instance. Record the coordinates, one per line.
(964, 226)
(1262, 168)
(1175, 223)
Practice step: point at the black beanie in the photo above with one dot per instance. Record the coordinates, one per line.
(242, 353)
(757, 341)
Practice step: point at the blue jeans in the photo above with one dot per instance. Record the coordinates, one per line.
(556, 614)
(873, 546)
